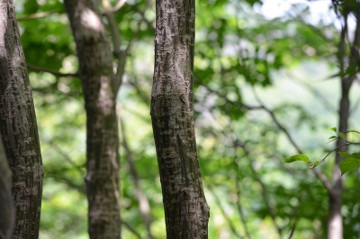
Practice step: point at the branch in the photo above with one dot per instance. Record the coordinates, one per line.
(131, 229)
(38, 15)
(66, 157)
(238, 204)
(218, 202)
(121, 55)
(141, 197)
(80, 188)
(110, 9)
(315, 92)
(237, 184)
(55, 73)
(322, 160)
(264, 193)
(320, 176)
(235, 144)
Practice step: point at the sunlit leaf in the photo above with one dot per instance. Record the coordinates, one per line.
(298, 157)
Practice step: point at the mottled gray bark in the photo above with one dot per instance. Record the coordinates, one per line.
(19, 128)
(96, 74)
(186, 209)
(7, 212)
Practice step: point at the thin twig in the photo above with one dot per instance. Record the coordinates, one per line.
(131, 229)
(117, 7)
(38, 15)
(293, 228)
(319, 175)
(338, 147)
(55, 73)
(264, 193)
(144, 206)
(120, 54)
(218, 202)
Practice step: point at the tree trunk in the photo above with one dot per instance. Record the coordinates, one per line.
(19, 128)
(349, 65)
(335, 224)
(96, 74)
(7, 213)
(186, 209)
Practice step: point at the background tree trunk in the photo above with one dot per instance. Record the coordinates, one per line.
(7, 213)
(349, 65)
(186, 209)
(96, 74)
(19, 128)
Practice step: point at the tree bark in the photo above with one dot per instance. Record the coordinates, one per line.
(186, 209)
(19, 128)
(96, 74)
(7, 213)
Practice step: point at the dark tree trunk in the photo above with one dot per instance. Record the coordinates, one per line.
(186, 210)
(19, 128)
(7, 212)
(96, 74)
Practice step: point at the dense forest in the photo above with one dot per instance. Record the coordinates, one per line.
(179, 119)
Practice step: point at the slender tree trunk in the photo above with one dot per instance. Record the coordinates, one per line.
(7, 212)
(19, 128)
(348, 66)
(186, 209)
(96, 74)
(335, 227)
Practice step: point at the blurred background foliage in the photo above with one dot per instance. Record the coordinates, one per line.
(258, 65)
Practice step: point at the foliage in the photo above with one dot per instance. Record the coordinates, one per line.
(247, 71)
(349, 163)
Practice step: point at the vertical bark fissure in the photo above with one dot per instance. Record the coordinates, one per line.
(96, 74)
(19, 128)
(186, 209)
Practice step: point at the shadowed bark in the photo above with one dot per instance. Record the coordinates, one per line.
(186, 210)
(7, 212)
(19, 128)
(96, 74)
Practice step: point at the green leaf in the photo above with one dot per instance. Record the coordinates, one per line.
(345, 155)
(298, 157)
(356, 155)
(333, 129)
(332, 137)
(348, 164)
(341, 135)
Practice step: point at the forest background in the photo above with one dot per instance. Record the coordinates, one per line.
(267, 84)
